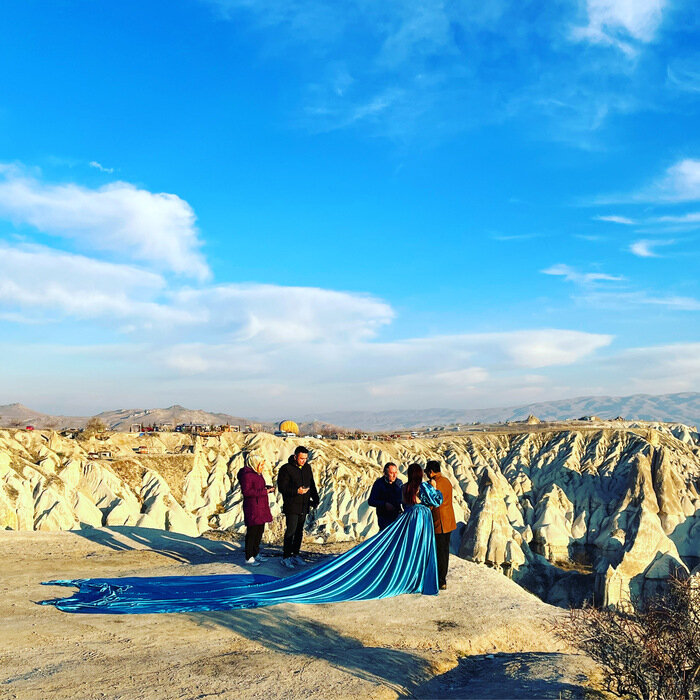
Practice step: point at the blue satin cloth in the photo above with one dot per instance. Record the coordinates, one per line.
(400, 559)
(429, 495)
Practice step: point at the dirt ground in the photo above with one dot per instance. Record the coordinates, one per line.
(483, 637)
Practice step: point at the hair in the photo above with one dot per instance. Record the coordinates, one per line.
(387, 465)
(254, 460)
(432, 467)
(415, 479)
(301, 449)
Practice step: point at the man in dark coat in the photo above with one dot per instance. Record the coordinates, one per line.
(295, 481)
(443, 520)
(385, 496)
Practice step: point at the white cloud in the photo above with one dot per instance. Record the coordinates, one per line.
(615, 219)
(615, 22)
(684, 76)
(584, 278)
(644, 248)
(467, 358)
(156, 228)
(45, 285)
(689, 218)
(658, 369)
(288, 315)
(455, 369)
(100, 167)
(624, 301)
(432, 68)
(680, 183)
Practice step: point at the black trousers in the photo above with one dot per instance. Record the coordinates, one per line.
(253, 535)
(293, 533)
(442, 549)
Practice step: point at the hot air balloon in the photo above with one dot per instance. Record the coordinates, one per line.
(289, 426)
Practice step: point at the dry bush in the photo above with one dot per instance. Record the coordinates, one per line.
(94, 426)
(650, 651)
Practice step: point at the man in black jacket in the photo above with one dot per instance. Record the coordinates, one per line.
(385, 496)
(295, 481)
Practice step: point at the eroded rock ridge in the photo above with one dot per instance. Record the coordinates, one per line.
(570, 514)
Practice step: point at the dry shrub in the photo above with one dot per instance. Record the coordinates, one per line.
(93, 426)
(649, 651)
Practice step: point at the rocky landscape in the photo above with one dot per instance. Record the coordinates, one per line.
(604, 511)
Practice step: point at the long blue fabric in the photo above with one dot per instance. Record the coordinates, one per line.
(400, 559)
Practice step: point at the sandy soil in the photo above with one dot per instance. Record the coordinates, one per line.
(484, 637)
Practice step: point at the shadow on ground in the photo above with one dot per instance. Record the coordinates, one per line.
(281, 631)
(181, 548)
(520, 675)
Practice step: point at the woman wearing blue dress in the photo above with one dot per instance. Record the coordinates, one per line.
(399, 559)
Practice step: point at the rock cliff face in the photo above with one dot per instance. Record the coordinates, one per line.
(568, 513)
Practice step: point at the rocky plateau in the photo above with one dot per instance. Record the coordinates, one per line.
(595, 512)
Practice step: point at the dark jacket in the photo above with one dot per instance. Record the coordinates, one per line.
(289, 478)
(382, 493)
(256, 506)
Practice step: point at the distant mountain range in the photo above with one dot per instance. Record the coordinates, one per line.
(121, 419)
(681, 408)
(17, 415)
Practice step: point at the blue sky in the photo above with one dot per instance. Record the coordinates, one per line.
(293, 206)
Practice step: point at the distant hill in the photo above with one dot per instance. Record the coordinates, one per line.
(17, 415)
(122, 419)
(682, 408)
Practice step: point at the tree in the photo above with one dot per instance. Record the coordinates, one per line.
(94, 425)
(650, 651)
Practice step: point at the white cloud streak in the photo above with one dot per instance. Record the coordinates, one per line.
(625, 301)
(645, 248)
(615, 219)
(100, 167)
(42, 281)
(429, 68)
(584, 278)
(46, 285)
(286, 315)
(156, 228)
(616, 22)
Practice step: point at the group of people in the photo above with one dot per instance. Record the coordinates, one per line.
(389, 496)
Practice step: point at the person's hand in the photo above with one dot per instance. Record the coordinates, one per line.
(301, 490)
(433, 483)
(270, 489)
(388, 506)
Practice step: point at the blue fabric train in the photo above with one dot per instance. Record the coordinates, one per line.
(400, 559)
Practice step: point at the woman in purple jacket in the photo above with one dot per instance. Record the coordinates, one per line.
(256, 508)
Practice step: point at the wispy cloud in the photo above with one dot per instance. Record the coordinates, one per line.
(684, 76)
(157, 228)
(625, 301)
(612, 292)
(621, 23)
(570, 274)
(615, 219)
(433, 68)
(44, 285)
(645, 248)
(100, 167)
(264, 339)
(680, 183)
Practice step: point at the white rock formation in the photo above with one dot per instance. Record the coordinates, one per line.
(627, 496)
